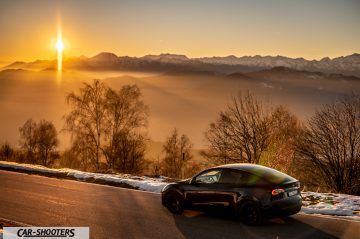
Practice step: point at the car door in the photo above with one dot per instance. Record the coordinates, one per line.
(204, 187)
(229, 186)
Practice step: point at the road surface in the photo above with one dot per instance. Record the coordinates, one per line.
(112, 212)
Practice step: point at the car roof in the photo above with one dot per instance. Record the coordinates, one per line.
(270, 174)
(243, 166)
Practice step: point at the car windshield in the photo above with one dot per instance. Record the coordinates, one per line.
(211, 176)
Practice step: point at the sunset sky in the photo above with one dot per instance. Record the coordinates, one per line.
(310, 28)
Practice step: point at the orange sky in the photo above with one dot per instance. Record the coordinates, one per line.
(309, 29)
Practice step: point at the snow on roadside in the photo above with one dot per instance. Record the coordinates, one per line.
(331, 204)
(347, 206)
(142, 183)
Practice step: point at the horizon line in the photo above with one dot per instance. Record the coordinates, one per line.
(5, 63)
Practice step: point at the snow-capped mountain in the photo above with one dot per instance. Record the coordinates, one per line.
(346, 65)
(167, 58)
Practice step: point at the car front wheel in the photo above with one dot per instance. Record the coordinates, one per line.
(174, 203)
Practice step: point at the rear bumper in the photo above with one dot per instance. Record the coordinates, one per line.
(285, 207)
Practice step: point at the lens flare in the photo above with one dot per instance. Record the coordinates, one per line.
(59, 47)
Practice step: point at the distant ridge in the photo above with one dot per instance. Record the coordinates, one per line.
(105, 57)
(345, 65)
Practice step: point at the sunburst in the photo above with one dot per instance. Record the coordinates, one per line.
(59, 47)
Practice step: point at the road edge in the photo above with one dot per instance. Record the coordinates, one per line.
(64, 175)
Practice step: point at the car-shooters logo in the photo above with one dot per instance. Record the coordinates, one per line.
(46, 232)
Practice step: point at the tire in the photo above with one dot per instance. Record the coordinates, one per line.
(174, 203)
(250, 213)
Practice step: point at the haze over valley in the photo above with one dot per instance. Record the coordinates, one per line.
(184, 93)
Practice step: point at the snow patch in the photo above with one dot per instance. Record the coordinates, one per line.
(266, 85)
(331, 204)
(139, 182)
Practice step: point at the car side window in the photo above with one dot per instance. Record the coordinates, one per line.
(252, 179)
(249, 179)
(239, 178)
(209, 177)
(233, 177)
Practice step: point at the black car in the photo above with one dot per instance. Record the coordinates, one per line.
(252, 191)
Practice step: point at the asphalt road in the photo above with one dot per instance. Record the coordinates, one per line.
(112, 212)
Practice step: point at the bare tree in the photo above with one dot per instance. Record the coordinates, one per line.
(285, 129)
(241, 132)
(85, 149)
(39, 141)
(6, 152)
(155, 165)
(177, 152)
(126, 116)
(28, 141)
(81, 155)
(86, 119)
(109, 123)
(69, 159)
(129, 152)
(331, 142)
(46, 142)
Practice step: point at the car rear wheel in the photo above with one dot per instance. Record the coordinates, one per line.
(174, 203)
(250, 213)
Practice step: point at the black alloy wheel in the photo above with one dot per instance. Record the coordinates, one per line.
(174, 203)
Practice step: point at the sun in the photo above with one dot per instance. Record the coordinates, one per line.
(59, 47)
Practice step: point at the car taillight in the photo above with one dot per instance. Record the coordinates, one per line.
(277, 191)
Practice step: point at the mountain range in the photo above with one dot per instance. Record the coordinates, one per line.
(345, 65)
